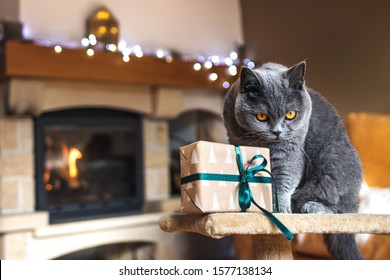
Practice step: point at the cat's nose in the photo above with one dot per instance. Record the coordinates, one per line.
(276, 132)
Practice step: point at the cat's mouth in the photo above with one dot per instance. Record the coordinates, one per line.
(277, 138)
(270, 138)
(267, 138)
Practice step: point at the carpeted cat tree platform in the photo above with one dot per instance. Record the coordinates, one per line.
(269, 243)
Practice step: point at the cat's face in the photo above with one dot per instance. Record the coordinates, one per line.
(273, 103)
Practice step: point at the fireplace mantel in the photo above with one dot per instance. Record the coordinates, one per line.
(28, 60)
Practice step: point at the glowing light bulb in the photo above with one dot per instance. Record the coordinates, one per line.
(102, 29)
(111, 47)
(160, 53)
(233, 55)
(228, 61)
(233, 70)
(226, 84)
(121, 45)
(208, 64)
(90, 52)
(92, 39)
(201, 59)
(138, 51)
(215, 59)
(251, 64)
(213, 76)
(103, 15)
(85, 42)
(114, 30)
(197, 66)
(137, 48)
(246, 61)
(58, 49)
(126, 51)
(126, 58)
(139, 54)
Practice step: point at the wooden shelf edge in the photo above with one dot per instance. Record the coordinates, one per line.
(25, 59)
(224, 224)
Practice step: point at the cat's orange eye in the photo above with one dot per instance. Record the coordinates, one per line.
(262, 117)
(290, 115)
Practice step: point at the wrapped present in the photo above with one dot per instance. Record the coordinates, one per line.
(211, 174)
(227, 178)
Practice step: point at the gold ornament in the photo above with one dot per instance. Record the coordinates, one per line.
(104, 26)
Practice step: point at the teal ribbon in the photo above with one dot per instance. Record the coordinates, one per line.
(223, 177)
(245, 197)
(247, 175)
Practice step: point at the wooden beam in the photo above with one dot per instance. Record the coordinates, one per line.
(25, 59)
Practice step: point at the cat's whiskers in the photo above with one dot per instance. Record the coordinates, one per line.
(307, 156)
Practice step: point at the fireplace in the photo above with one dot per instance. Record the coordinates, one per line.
(35, 108)
(89, 163)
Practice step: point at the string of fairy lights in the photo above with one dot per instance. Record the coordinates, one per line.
(200, 61)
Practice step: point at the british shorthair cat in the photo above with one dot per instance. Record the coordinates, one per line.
(314, 165)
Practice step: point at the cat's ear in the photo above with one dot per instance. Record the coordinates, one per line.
(249, 82)
(296, 75)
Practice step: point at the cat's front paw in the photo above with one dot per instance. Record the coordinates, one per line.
(315, 208)
(284, 209)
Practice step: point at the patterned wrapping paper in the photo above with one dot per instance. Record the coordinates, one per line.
(208, 196)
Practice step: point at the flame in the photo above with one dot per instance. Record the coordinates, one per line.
(46, 175)
(74, 155)
(64, 164)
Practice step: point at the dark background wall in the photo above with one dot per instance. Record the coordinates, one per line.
(346, 45)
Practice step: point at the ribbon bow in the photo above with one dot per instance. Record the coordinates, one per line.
(245, 197)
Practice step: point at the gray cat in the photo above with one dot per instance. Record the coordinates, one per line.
(315, 167)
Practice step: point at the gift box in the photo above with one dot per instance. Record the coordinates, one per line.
(216, 177)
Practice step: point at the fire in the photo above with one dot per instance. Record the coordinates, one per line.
(64, 165)
(74, 155)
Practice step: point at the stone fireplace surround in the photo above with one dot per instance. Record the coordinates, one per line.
(26, 233)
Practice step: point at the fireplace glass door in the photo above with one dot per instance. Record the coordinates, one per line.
(89, 163)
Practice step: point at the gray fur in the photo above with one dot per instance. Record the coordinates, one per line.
(315, 167)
